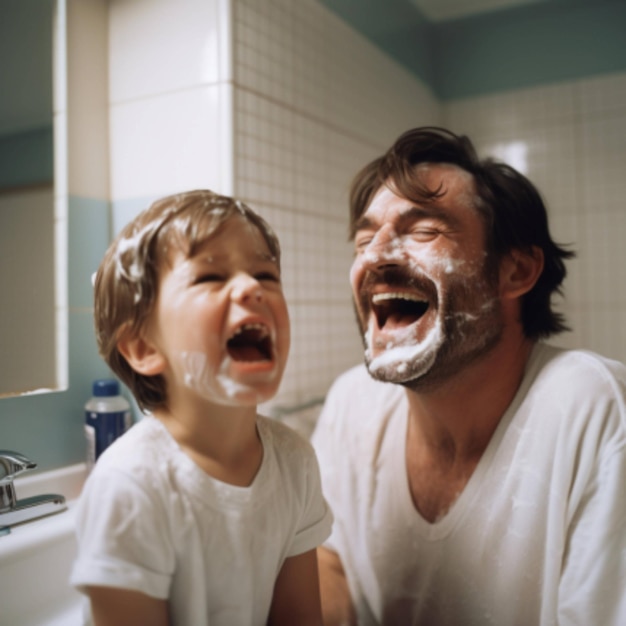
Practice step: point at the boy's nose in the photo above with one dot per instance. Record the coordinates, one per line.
(247, 289)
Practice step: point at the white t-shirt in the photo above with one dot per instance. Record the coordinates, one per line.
(149, 519)
(538, 535)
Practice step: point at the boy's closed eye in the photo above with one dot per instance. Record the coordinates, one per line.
(269, 276)
(213, 277)
(209, 278)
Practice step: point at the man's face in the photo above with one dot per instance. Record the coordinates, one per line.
(425, 295)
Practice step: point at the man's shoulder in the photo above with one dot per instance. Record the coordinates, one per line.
(582, 370)
(582, 392)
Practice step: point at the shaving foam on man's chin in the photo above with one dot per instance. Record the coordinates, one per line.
(399, 356)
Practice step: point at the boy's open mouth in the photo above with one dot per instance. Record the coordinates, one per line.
(395, 309)
(249, 343)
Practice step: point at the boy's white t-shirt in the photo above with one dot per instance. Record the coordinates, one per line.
(149, 519)
(538, 535)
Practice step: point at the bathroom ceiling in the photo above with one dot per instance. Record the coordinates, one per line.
(440, 10)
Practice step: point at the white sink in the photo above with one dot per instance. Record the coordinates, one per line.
(37, 556)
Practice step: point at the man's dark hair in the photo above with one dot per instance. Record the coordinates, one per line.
(514, 213)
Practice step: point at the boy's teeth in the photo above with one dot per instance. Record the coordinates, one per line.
(259, 327)
(250, 342)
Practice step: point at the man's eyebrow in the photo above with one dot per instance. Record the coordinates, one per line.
(363, 223)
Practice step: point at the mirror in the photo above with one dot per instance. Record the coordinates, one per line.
(33, 314)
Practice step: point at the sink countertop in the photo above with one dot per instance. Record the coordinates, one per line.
(36, 557)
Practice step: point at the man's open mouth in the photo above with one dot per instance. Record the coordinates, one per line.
(398, 308)
(249, 343)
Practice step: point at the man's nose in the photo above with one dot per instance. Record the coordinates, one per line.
(246, 289)
(384, 250)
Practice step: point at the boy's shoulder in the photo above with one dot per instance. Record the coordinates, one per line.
(144, 446)
(133, 473)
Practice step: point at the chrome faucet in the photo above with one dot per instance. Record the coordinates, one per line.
(14, 511)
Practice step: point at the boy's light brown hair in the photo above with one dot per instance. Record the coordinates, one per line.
(127, 281)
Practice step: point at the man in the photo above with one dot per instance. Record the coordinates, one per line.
(476, 474)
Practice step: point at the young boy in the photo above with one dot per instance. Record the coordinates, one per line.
(204, 512)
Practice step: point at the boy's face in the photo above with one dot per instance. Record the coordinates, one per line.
(221, 320)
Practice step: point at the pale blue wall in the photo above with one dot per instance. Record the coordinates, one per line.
(533, 44)
(48, 428)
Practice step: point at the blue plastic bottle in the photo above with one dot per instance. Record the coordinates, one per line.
(107, 416)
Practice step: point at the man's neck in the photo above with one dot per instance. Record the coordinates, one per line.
(459, 416)
(450, 427)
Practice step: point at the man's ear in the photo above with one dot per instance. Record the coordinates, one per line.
(519, 271)
(142, 355)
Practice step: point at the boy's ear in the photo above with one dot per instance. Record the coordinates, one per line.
(519, 271)
(143, 356)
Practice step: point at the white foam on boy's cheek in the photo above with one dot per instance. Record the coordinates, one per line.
(199, 376)
(231, 388)
(236, 391)
(218, 384)
(195, 370)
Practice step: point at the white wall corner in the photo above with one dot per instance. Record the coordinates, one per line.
(87, 103)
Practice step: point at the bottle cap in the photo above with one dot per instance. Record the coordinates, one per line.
(106, 387)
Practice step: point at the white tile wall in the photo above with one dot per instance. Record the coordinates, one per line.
(170, 97)
(169, 142)
(280, 103)
(87, 100)
(574, 138)
(158, 46)
(314, 102)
